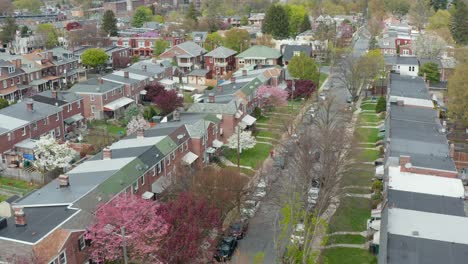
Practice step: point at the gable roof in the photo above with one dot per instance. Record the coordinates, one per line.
(221, 52)
(259, 51)
(289, 50)
(191, 48)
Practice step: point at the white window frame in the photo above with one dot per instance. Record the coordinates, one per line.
(154, 170)
(168, 161)
(78, 104)
(70, 107)
(93, 109)
(57, 117)
(57, 133)
(81, 245)
(91, 97)
(142, 180)
(135, 187)
(173, 155)
(64, 257)
(159, 165)
(9, 136)
(105, 96)
(186, 145)
(24, 131)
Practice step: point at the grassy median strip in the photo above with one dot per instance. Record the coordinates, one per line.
(250, 157)
(348, 256)
(351, 215)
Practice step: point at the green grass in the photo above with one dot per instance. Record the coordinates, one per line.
(351, 215)
(263, 119)
(346, 239)
(367, 134)
(322, 78)
(111, 129)
(368, 106)
(368, 155)
(3, 198)
(357, 190)
(188, 99)
(6, 182)
(369, 118)
(247, 172)
(250, 157)
(360, 176)
(349, 256)
(267, 133)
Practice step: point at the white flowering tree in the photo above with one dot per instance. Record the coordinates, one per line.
(245, 139)
(136, 123)
(50, 154)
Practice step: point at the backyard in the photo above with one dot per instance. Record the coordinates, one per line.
(13, 186)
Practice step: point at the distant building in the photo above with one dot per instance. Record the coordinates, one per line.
(258, 56)
(188, 56)
(220, 60)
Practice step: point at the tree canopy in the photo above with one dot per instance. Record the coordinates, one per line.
(168, 101)
(457, 94)
(32, 6)
(303, 67)
(94, 58)
(398, 8)
(50, 154)
(4, 103)
(237, 39)
(295, 15)
(213, 40)
(276, 22)
(142, 14)
(160, 45)
(431, 70)
(440, 19)
(48, 35)
(8, 30)
(459, 23)
(109, 23)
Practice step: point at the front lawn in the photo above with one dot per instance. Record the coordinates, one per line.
(351, 215)
(369, 118)
(112, 129)
(346, 239)
(253, 157)
(358, 190)
(349, 256)
(267, 133)
(367, 134)
(360, 175)
(3, 198)
(368, 106)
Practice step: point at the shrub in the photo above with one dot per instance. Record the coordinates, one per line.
(377, 186)
(381, 105)
(209, 88)
(257, 112)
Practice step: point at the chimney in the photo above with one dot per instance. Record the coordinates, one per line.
(50, 56)
(274, 81)
(244, 72)
(211, 98)
(140, 133)
(404, 160)
(106, 153)
(20, 216)
(18, 63)
(63, 180)
(101, 81)
(54, 94)
(126, 74)
(233, 79)
(452, 150)
(30, 106)
(400, 102)
(176, 115)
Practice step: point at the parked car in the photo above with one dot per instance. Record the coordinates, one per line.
(238, 229)
(226, 248)
(323, 96)
(249, 208)
(312, 196)
(297, 236)
(259, 193)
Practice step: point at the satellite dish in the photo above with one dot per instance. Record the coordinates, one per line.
(408, 165)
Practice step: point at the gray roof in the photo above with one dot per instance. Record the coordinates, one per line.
(408, 86)
(40, 221)
(62, 98)
(387, 43)
(401, 60)
(426, 202)
(221, 52)
(151, 67)
(93, 86)
(199, 72)
(215, 108)
(423, 61)
(199, 36)
(414, 131)
(289, 50)
(192, 48)
(119, 79)
(20, 113)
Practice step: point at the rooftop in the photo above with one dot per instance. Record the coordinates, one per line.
(401, 60)
(289, 50)
(221, 52)
(62, 98)
(408, 86)
(93, 86)
(259, 51)
(17, 115)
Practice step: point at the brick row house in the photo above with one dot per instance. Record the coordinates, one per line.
(258, 56)
(21, 124)
(144, 164)
(119, 57)
(220, 61)
(187, 55)
(143, 46)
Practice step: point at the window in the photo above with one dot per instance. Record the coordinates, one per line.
(141, 44)
(35, 126)
(142, 180)
(409, 68)
(78, 104)
(297, 53)
(173, 155)
(181, 148)
(69, 107)
(93, 109)
(46, 120)
(24, 131)
(60, 259)
(105, 96)
(154, 171)
(114, 43)
(135, 186)
(57, 134)
(11, 69)
(12, 81)
(168, 160)
(413, 68)
(37, 75)
(159, 165)
(81, 243)
(120, 90)
(125, 43)
(9, 136)
(186, 145)
(113, 92)
(5, 84)
(92, 97)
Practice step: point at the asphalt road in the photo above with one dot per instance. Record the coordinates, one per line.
(260, 236)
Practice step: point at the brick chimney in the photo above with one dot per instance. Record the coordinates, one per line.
(20, 216)
(101, 81)
(211, 98)
(106, 153)
(244, 72)
(140, 133)
(452, 150)
(17, 63)
(50, 56)
(54, 94)
(405, 162)
(126, 74)
(30, 106)
(63, 181)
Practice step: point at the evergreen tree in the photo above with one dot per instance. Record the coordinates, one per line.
(142, 14)
(109, 23)
(459, 23)
(439, 4)
(305, 24)
(8, 30)
(276, 22)
(24, 31)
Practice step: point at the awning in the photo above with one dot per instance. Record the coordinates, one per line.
(73, 119)
(147, 195)
(160, 184)
(217, 143)
(121, 102)
(249, 120)
(143, 92)
(189, 158)
(38, 82)
(210, 150)
(27, 144)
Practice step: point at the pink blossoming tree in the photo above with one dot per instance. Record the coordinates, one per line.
(137, 123)
(271, 96)
(144, 225)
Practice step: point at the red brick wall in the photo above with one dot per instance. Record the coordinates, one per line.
(427, 171)
(74, 255)
(75, 109)
(461, 160)
(87, 103)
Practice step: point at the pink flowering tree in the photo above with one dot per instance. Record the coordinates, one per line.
(194, 224)
(145, 227)
(271, 96)
(137, 123)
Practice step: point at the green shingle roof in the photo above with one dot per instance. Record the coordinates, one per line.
(166, 145)
(124, 177)
(258, 51)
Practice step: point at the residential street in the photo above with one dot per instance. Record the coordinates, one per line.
(260, 236)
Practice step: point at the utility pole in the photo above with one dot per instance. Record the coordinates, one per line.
(318, 83)
(124, 245)
(238, 138)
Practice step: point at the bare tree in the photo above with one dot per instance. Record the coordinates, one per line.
(316, 159)
(351, 75)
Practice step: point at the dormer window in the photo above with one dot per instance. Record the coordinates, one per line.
(11, 69)
(297, 53)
